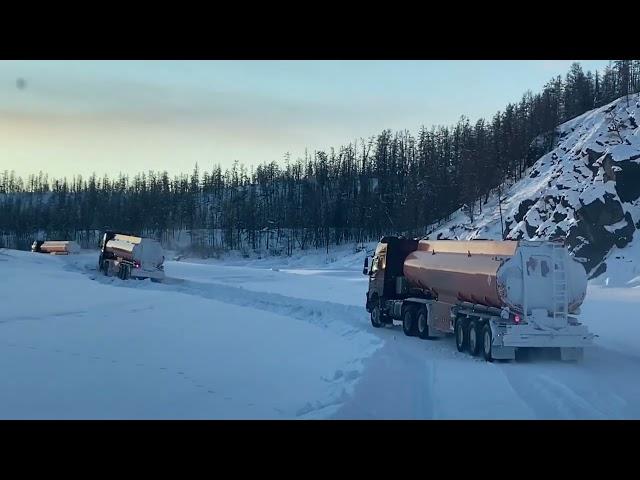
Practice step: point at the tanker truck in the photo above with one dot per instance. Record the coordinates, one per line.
(495, 297)
(129, 256)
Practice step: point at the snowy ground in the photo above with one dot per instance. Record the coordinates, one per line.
(275, 338)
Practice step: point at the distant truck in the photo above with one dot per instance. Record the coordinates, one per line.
(494, 296)
(55, 247)
(129, 256)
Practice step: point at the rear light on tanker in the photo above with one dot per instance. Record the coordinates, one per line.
(136, 264)
(516, 318)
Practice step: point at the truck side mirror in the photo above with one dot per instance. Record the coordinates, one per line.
(365, 269)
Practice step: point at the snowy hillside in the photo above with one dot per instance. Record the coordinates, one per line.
(586, 189)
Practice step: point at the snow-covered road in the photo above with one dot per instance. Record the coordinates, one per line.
(273, 340)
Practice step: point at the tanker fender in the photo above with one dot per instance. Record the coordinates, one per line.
(498, 350)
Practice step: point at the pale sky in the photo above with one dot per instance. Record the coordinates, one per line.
(79, 117)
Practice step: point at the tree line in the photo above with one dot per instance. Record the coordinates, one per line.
(391, 183)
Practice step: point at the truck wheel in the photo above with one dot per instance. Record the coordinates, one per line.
(409, 322)
(461, 334)
(423, 324)
(123, 273)
(475, 332)
(487, 343)
(376, 315)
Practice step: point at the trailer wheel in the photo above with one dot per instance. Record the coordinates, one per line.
(409, 326)
(423, 324)
(124, 272)
(475, 329)
(487, 342)
(461, 334)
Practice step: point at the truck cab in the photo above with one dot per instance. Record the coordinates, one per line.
(35, 246)
(386, 267)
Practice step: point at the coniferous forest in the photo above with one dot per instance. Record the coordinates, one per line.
(392, 183)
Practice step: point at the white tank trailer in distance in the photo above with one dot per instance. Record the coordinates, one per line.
(129, 256)
(494, 296)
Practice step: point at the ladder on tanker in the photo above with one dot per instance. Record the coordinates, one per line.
(560, 293)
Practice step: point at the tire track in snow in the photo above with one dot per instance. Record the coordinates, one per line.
(320, 313)
(597, 388)
(19, 318)
(350, 320)
(405, 393)
(551, 399)
(567, 402)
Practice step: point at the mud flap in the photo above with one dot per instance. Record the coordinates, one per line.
(503, 353)
(571, 354)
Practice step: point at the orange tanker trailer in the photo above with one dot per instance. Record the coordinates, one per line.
(496, 296)
(55, 247)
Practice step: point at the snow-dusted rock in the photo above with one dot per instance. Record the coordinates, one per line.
(586, 189)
